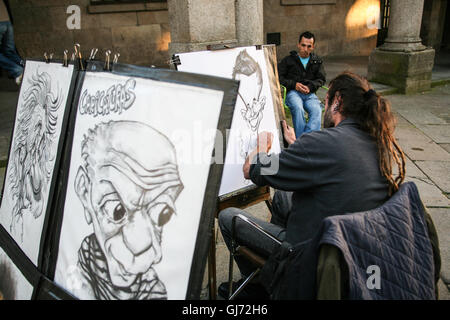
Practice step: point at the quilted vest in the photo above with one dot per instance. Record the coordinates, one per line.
(390, 242)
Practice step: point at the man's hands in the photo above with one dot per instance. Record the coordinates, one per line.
(288, 132)
(302, 88)
(264, 144)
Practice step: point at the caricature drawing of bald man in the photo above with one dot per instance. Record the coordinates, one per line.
(128, 183)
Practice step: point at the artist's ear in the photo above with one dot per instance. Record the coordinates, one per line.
(82, 190)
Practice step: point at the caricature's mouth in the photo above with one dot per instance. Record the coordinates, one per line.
(120, 271)
(124, 274)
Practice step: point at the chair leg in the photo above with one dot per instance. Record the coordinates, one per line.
(230, 273)
(249, 278)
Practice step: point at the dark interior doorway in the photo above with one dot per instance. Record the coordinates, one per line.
(445, 44)
(384, 22)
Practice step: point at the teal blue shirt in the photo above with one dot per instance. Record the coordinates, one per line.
(304, 61)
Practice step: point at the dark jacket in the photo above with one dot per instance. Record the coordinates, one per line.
(408, 255)
(330, 171)
(291, 71)
(396, 239)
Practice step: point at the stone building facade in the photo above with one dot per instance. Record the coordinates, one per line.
(148, 32)
(342, 27)
(138, 31)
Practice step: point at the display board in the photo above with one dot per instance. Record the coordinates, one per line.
(255, 111)
(41, 117)
(140, 186)
(112, 181)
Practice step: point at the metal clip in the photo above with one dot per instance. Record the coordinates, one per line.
(66, 57)
(77, 49)
(175, 60)
(48, 58)
(78, 54)
(93, 53)
(116, 58)
(107, 60)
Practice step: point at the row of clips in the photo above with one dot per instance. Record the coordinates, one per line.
(77, 56)
(175, 59)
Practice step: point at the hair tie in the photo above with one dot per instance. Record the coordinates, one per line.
(369, 94)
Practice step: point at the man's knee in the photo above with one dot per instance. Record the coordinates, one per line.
(225, 218)
(314, 105)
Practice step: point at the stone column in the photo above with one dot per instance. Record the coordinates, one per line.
(403, 61)
(404, 26)
(194, 24)
(249, 22)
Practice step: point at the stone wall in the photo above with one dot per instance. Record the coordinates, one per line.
(140, 33)
(341, 28)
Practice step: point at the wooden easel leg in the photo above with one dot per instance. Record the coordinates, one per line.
(269, 205)
(212, 282)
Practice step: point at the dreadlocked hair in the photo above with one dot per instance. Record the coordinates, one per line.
(373, 113)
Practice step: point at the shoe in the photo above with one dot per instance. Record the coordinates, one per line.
(251, 291)
(19, 79)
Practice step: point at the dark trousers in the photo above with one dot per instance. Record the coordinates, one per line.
(252, 238)
(9, 59)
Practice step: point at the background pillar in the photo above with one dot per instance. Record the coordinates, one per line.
(194, 24)
(249, 22)
(403, 61)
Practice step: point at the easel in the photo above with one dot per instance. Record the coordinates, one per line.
(253, 194)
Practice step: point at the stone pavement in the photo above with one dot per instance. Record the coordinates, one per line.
(423, 131)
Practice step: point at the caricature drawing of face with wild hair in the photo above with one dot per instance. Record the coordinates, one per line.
(128, 183)
(33, 150)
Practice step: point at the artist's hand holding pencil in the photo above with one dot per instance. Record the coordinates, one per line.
(288, 133)
(264, 144)
(265, 139)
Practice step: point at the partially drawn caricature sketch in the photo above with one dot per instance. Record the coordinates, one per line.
(33, 149)
(128, 191)
(254, 108)
(253, 111)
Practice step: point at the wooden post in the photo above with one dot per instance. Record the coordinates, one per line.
(240, 199)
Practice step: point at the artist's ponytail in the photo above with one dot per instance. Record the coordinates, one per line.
(373, 113)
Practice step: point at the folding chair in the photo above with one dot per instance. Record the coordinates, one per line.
(246, 252)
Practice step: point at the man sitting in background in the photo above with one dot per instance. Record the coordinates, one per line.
(302, 73)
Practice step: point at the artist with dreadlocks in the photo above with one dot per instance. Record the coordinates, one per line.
(347, 167)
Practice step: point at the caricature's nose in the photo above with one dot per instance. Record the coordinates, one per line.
(138, 233)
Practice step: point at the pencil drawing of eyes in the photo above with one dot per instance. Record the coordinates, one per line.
(113, 209)
(128, 194)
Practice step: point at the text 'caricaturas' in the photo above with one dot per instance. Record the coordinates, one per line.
(115, 100)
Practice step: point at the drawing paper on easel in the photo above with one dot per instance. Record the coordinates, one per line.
(38, 127)
(254, 111)
(134, 197)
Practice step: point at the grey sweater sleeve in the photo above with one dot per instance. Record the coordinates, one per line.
(291, 170)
